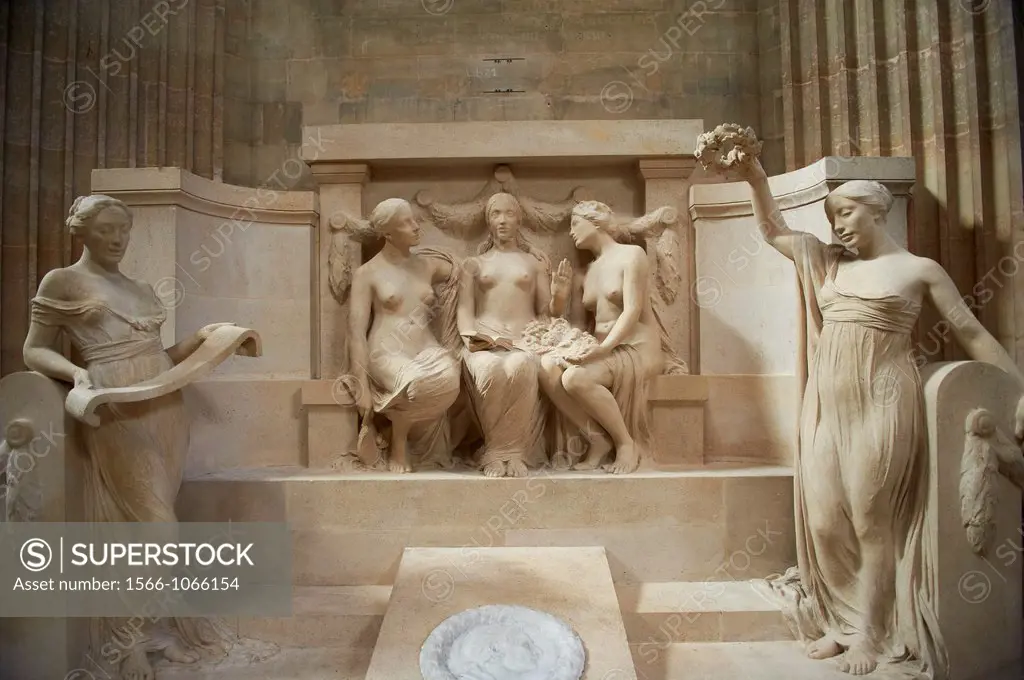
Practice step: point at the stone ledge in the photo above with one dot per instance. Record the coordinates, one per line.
(501, 140)
(285, 474)
(666, 388)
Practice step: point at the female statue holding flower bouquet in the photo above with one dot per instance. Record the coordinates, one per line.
(864, 592)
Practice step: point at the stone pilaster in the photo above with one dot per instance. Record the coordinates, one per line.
(341, 192)
(666, 183)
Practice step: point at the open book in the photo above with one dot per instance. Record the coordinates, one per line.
(488, 341)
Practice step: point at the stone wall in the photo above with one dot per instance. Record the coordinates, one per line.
(317, 62)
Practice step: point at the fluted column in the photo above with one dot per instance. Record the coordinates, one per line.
(101, 84)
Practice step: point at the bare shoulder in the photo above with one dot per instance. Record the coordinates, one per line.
(637, 255)
(364, 273)
(58, 283)
(924, 268)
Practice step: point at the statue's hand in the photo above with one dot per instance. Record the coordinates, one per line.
(204, 332)
(561, 280)
(82, 378)
(747, 168)
(595, 353)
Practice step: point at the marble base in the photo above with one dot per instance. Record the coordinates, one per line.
(573, 584)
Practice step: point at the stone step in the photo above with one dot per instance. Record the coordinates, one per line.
(673, 661)
(656, 526)
(289, 663)
(653, 613)
(778, 660)
(703, 611)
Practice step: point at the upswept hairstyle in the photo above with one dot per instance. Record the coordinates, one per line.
(866, 192)
(86, 208)
(384, 212)
(601, 216)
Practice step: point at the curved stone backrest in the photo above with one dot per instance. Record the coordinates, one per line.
(979, 595)
(45, 467)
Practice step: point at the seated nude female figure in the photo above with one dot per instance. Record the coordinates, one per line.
(504, 288)
(407, 376)
(608, 385)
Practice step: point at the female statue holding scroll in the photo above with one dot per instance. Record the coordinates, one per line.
(408, 375)
(136, 456)
(605, 392)
(865, 565)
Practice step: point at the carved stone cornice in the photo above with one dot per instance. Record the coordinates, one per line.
(340, 173)
(680, 167)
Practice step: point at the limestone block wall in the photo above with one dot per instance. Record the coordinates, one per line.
(322, 62)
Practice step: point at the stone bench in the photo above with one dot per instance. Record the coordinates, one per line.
(677, 407)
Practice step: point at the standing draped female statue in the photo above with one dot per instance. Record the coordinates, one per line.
(504, 288)
(608, 385)
(135, 458)
(401, 369)
(865, 565)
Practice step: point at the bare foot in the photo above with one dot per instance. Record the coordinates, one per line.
(516, 468)
(859, 659)
(136, 666)
(399, 465)
(495, 469)
(175, 653)
(597, 451)
(824, 648)
(627, 459)
(561, 460)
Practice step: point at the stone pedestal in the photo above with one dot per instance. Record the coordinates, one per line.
(573, 584)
